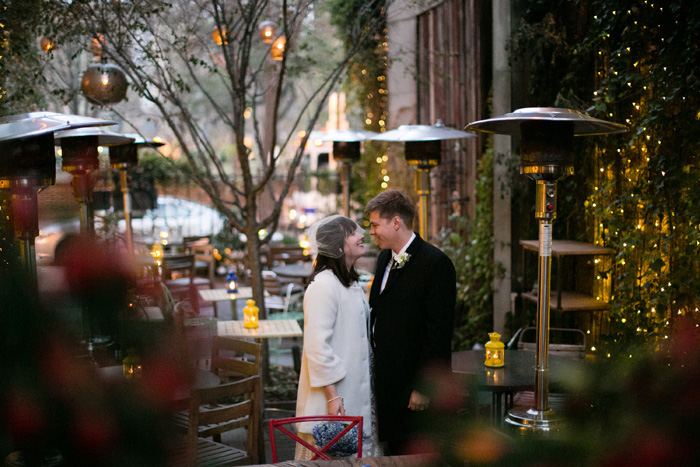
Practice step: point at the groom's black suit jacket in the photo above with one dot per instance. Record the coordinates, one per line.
(413, 320)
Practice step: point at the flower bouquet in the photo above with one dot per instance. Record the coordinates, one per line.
(344, 447)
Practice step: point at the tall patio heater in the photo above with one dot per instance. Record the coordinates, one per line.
(424, 151)
(346, 150)
(28, 165)
(122, 157)
(80, 159)
(547, 155)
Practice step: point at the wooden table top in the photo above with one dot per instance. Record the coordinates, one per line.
(569, 248)
(222, 295)
(387, 461)
(266, 328)
(518, 373)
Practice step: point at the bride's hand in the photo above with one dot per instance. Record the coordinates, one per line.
(336, 407)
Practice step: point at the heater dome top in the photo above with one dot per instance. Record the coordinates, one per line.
(584, 124)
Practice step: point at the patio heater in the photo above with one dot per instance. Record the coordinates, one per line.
(28, 165)
(80, 159)
(424, 151)
(547, 155)
(122, 157)
(346, 150)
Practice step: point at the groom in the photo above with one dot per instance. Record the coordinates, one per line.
(413, 302)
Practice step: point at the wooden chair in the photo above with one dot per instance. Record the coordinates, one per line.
(232, 360)
(279, 423)
(178, 273)
(204, 266)
(279, 296)
(212, 413)
(235, 358)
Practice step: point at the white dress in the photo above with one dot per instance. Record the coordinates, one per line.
(336, 351)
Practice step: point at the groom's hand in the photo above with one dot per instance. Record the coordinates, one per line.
(418, 401)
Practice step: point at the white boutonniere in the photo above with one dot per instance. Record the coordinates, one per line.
(400, 260)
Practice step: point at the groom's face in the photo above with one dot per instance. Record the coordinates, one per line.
(382, 229)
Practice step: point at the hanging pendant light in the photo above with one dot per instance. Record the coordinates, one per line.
(267, 30)
(104, 83)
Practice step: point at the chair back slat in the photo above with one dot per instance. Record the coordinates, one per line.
(246, 360)
(221, 414)
(243, 414)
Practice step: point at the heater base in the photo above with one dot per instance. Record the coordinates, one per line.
(533, 421)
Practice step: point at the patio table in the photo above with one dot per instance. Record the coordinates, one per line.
(385, 461)
(267, 328)
(299, 271)
(222, 295)
(518, 374)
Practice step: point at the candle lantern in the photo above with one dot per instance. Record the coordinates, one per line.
(232, 282)
(157, 253)
(424, 151)
(131, 365)
(250, 315)
(346, 151)
(495, 351)
(547, 155)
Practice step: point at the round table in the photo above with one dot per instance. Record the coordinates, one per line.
(517, 374)
(295, 271)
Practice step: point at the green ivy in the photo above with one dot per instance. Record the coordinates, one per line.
(634, 63)
(470, 247)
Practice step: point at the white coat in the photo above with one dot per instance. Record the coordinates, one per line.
(336, 350)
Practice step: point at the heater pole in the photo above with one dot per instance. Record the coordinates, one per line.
(124, 182)
(422, 186)
(345, 174)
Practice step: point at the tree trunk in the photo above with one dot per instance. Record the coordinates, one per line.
(256, 281)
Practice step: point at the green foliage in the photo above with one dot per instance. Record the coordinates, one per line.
(470, 247)
(165, 171)
(21, 59)
(633, 63)
(365, 87)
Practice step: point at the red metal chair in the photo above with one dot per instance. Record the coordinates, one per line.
(318, 452)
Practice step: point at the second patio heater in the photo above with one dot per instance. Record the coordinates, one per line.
(424, 151)
(80, 159)
(346, 150)
(28, 165)
(122, 157)
(547, 155)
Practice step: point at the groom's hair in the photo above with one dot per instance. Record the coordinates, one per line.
(392, 203)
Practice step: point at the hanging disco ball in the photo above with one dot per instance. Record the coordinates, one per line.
(104, 83)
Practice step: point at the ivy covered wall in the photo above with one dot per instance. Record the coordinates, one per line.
(632, 62)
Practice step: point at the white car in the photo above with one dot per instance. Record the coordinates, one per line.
(173, 218)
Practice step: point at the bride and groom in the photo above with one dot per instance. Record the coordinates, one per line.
(364, 357)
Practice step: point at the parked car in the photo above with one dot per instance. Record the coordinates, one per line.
(173, 218)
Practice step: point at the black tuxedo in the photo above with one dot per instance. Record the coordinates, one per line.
(413, 320)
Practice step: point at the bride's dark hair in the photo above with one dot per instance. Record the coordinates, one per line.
(332, 235)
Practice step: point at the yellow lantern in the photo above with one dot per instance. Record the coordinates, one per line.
(131, 365)
(495, 351)
(157, 253)
(250, 315)
(267, 30)
(219, 36)
(277, 50)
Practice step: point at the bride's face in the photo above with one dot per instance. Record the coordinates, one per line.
(354, 248)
